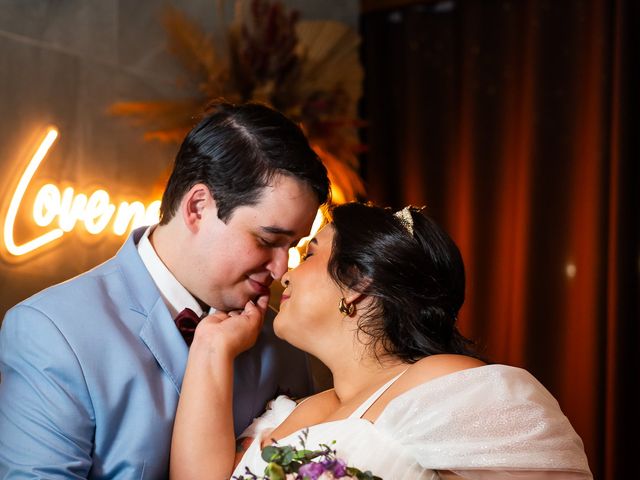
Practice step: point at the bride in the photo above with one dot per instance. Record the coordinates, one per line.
(376, 300)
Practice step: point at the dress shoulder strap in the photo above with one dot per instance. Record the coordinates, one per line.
(360, 411)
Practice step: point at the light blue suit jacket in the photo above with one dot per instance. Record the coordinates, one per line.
(91, 371)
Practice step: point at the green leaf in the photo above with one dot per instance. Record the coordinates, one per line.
(302, 454)
(269, 452)
(274, 471)
(288, 457)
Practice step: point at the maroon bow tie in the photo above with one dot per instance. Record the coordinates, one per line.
(187, 321)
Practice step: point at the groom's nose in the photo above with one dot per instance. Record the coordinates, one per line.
(279, 262)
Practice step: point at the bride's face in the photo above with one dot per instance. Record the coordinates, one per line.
(309, 305)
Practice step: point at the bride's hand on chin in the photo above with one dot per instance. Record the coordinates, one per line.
(203, 435)
(229, 334)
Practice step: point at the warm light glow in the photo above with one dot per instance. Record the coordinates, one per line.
(152, 215)
(16, 199)
(294, 257)
(99, 212)
(294, 253)
(570, 270)
(70, 208)
(128, 212)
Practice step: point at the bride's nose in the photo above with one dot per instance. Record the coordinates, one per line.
(284, 281)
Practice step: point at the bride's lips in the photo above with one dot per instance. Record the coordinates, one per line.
(258, 288)
(283, 298)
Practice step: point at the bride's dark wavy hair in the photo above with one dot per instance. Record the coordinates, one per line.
(418, 280)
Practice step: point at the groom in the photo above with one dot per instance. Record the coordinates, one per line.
(91, 369)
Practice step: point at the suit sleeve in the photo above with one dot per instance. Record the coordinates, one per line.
(46, 419)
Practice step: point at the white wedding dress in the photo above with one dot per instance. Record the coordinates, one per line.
(492, 422)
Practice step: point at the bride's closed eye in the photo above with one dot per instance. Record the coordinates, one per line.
(307, 255)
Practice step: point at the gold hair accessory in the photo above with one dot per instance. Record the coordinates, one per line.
(346, 308)
(405, 218)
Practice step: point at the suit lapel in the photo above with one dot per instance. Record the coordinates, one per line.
(158, 331)
(163, 339)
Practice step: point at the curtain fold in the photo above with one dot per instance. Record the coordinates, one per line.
(512, 121)
(622, 361)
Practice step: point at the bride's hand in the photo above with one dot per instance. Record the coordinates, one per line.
(203, 436)
(230, 334)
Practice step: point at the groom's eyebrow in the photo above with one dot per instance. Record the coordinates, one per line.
(277, 230)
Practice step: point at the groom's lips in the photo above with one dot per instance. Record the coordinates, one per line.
(258, 288)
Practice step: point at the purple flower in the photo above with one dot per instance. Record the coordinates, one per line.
(337, 466)
(311, 470)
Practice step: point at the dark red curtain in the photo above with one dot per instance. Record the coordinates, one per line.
(515, 123)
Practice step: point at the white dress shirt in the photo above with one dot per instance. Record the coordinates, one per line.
(175, 296)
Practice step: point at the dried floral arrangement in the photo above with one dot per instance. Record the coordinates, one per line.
(309, 70)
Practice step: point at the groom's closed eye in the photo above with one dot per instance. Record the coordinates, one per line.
(276, 237)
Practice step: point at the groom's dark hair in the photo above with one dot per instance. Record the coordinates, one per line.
(235, 151)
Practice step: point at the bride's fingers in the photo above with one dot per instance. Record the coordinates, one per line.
(216, 317)
(252, 310)
(233, 332)
(254, 316)
(262, 303)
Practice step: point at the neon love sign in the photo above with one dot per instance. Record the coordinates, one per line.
(69, 208)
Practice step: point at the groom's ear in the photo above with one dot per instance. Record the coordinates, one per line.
(196, 203)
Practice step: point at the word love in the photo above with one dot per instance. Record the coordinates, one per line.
(61, 212)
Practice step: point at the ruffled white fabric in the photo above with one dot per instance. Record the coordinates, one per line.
(493, 422)
(277, 411)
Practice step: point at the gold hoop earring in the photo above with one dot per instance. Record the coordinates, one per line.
(346, 308)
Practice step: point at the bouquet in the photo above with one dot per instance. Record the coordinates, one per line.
(291, 463)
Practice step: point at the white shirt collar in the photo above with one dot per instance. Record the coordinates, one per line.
(175, 296)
